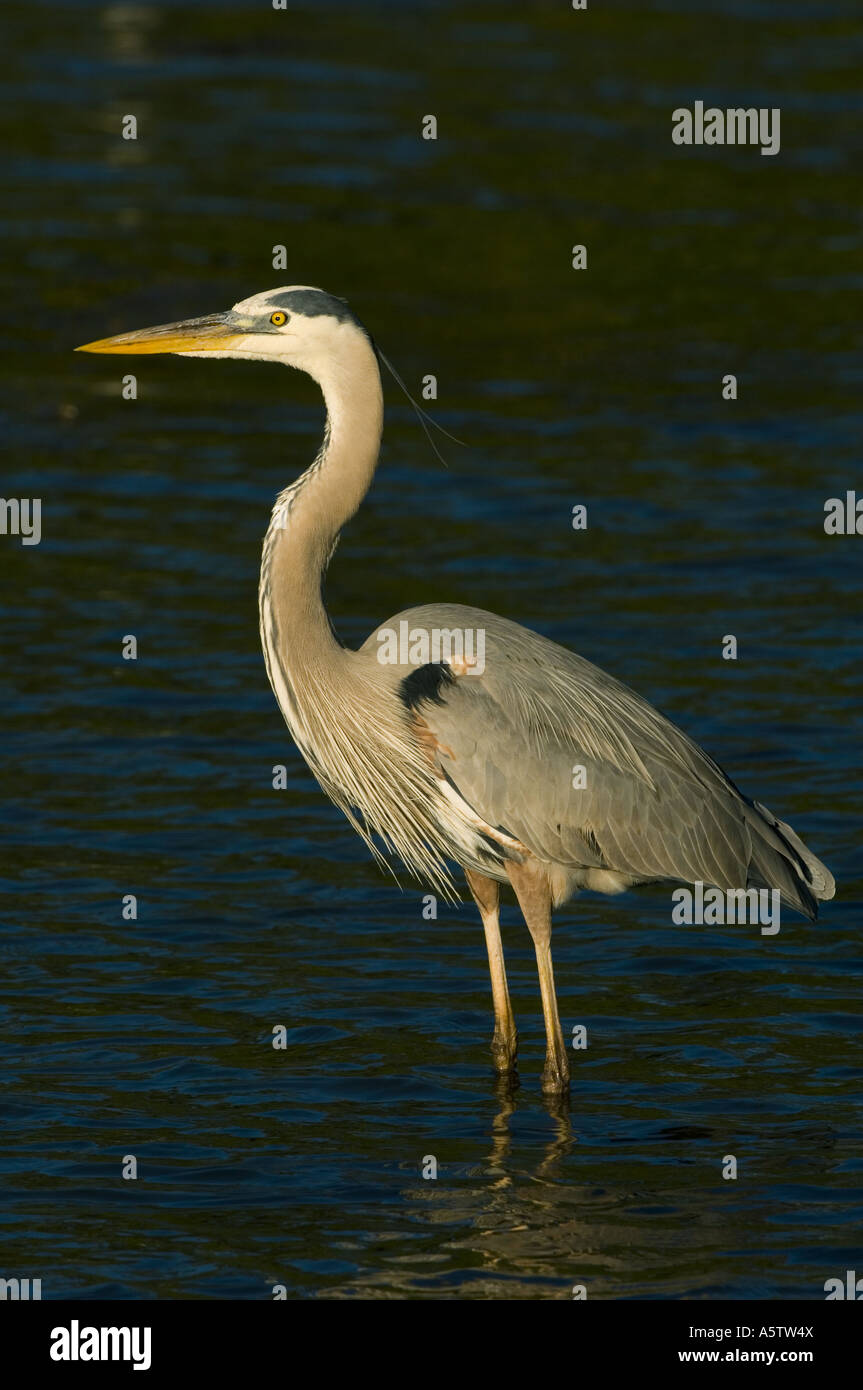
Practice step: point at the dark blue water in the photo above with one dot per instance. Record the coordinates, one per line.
(259, 908)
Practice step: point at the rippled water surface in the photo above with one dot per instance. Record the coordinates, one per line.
(259, 908)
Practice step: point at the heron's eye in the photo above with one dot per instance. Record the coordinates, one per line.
(278, 318)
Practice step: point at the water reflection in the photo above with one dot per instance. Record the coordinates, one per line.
(127, 31)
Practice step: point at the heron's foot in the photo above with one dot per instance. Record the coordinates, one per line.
(555, 1075)
(504, 1051)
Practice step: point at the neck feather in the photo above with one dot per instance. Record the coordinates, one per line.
(309, 514)
(305, 662)
(346, 720)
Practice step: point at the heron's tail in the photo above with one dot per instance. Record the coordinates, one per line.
(781, 860)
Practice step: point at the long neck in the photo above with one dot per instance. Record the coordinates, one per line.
(309, 514)
(351, 729)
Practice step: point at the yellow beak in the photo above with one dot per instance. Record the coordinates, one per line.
(216, 331)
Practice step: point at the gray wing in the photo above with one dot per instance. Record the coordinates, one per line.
(653, 805)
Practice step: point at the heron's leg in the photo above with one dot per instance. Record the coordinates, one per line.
(504, 1045)
(534, 899)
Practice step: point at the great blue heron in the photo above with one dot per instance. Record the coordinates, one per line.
(458, 759)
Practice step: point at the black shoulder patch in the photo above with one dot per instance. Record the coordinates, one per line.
(426, 683)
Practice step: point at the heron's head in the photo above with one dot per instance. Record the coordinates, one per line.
(297, 325)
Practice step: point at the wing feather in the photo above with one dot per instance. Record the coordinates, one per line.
(654, 804)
